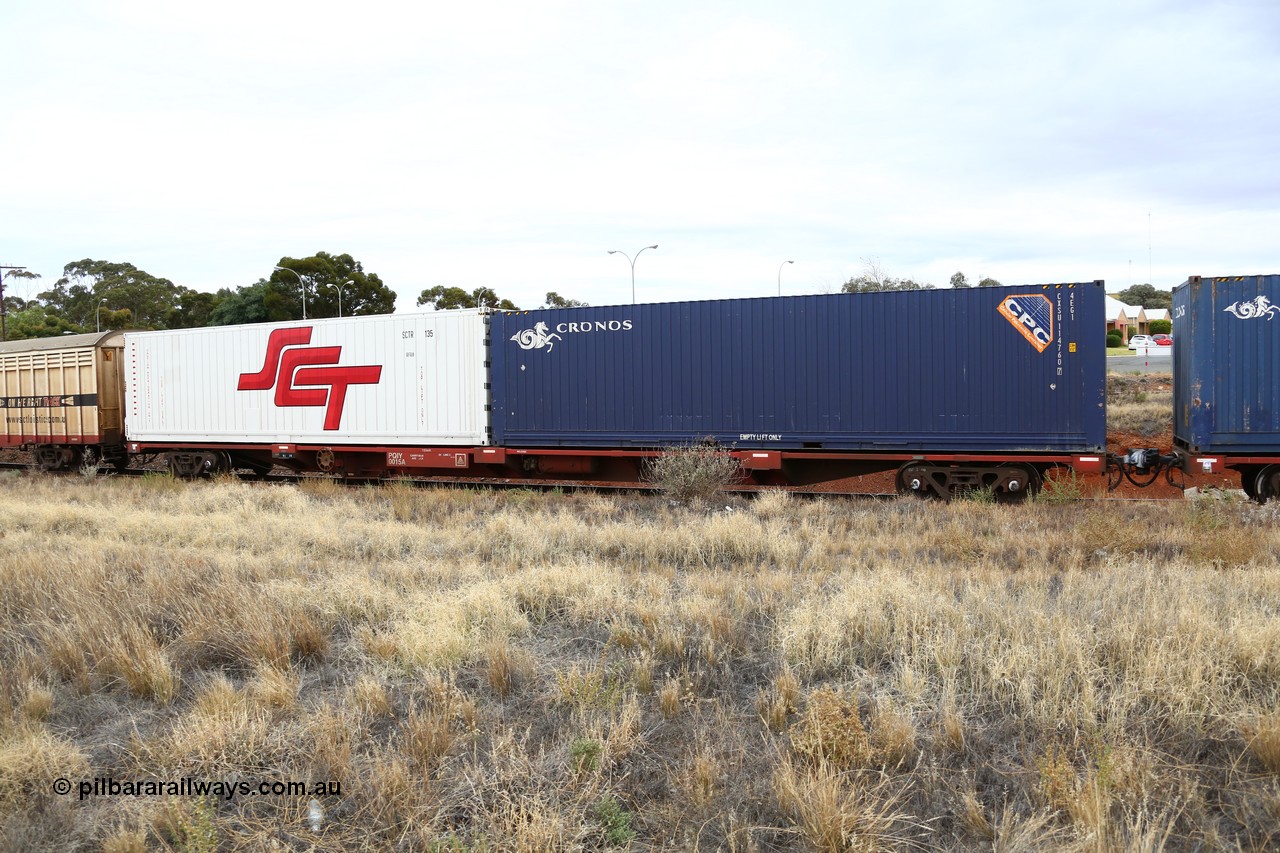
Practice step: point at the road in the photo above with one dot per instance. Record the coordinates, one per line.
(1153, 362)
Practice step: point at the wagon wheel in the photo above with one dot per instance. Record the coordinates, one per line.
(1248, 481)
(1267, 484)
(221, 463)
(914, 479)
(324, 459)
(1017, 482)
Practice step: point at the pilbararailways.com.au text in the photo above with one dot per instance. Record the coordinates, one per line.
(189, 787)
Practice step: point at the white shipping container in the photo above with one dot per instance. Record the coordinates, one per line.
(396, 379)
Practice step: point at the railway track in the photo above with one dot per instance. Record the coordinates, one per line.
(511, 483)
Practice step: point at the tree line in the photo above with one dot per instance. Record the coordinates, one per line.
(875, 280)
(93, 294)
(1145, 295)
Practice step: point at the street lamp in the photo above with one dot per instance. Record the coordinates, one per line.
(780, 266)
(100, 304)
(338, 287)
(303, 284)
(632, 261)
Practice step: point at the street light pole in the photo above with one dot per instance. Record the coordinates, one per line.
(338, 287)
(100, 301)
(632, 260)
(780, 266)
(302, 284)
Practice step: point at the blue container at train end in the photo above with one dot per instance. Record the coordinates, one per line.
(1226, 364)
(981, 369)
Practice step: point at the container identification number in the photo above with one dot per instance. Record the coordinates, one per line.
(408, 335)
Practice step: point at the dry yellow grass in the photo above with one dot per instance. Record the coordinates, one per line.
(514, 671)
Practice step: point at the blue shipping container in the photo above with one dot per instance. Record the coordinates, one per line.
(981, 369)
(1226, 364)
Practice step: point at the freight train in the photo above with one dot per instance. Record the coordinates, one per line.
(952, 390)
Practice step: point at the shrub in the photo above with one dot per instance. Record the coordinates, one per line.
(614, 820)
(693, 472)
(984, 495)
(585, 754)
(1063, 488)
(190, 830)
(832, 730)
(1115, 339)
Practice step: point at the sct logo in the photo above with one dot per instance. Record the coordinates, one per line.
(297, 384)
(1032, 315)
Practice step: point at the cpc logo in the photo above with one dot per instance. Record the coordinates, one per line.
(1032, 315)
(299, 385)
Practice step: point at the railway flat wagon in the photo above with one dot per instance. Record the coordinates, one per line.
(348, 396)
(953, 388)
(61, 399)
(1226, 377)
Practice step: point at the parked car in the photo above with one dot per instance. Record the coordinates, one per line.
(1140, 342)
(1162, 340)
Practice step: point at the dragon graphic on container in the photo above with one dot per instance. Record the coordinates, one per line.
(536, 338)
(1253, 309)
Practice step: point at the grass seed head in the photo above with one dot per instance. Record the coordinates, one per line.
(669, 698)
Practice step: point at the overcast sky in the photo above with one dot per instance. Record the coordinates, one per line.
(511, 144)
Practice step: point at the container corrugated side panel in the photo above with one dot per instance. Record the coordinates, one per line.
(1226, 339)
(185, 386)
(937, 370)
(67, 377)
